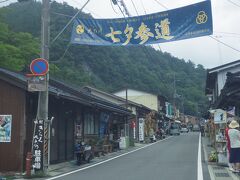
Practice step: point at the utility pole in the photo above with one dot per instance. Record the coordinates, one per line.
(174, 96)
(42, 111)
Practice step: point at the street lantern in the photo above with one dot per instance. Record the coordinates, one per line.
(210, 97)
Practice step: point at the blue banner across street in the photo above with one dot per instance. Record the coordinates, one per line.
(182, 23)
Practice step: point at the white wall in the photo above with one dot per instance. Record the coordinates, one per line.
(146, 99)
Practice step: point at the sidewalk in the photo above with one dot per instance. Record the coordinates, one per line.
(217, 172)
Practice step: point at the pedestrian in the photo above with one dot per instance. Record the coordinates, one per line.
(234, 136)
(202, 130)
(78, 152)
(228, 146)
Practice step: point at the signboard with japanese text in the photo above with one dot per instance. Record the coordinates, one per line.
(38, 144)
(182, 23)
(141, 129)
(5, 128)
(37, 83)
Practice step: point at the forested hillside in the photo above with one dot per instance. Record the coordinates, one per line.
(106, 68)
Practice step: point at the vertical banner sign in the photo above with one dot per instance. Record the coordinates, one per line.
(38, 145)
(133, 126)
(104, 118)
(5, 128)
(182, 23)
(141, 129)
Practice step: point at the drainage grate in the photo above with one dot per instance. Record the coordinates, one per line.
(217, 167)
(222, 175)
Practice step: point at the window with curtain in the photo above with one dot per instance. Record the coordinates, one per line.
(90, 126)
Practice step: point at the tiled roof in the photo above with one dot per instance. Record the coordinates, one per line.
(63, 90)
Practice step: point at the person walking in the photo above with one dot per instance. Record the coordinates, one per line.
(234, 136)
(228, 146)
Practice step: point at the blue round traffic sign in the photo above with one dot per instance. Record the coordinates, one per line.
(39, 66)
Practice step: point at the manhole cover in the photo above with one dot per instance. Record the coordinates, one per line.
(218, 167)
(222, 175)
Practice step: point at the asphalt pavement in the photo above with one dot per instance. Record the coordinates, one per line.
(173, 159)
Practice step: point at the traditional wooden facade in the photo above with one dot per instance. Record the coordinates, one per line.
(72, 111)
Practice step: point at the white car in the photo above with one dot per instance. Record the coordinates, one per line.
(184, 130)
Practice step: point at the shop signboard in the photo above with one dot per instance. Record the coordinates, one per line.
(141, 129)
(220, 116)
(37, 83)
(38, 145)
(5, 128)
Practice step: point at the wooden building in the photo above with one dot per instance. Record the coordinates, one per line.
(76, 116)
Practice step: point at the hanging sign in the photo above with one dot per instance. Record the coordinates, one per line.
(182, 23)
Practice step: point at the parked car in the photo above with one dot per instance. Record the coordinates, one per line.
(174, 129)
(184, 129)
(196, 128)
(190, 127)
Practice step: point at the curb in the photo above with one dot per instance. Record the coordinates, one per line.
(210, 168)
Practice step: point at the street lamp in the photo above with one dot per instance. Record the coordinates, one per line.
(210, 96)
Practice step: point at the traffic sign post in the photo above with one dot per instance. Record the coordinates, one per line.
(39, 66)
(37, 81)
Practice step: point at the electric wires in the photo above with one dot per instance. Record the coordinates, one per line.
(4, 1)
(69, 22)
(135, 7)
(224, 44)
(161, 4)
(233, 3)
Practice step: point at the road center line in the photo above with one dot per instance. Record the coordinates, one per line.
(200, 173)
(72, 172)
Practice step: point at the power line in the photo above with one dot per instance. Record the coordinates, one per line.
(134, 7)
(227, 33)
(69, 22)
(233, 3)
(97, 15)
(124, 7)
(113, 7)
(161, 4)
(225, 44)
(122, 12)
(61, 14)
(65, 52)
(4, 1)
(143, 7)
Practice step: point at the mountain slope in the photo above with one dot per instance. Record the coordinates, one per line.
(107, 68)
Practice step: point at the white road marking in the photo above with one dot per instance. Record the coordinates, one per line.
(210, 170)
(72, 172)
(200, 173)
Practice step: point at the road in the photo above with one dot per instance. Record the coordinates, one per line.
(173, 159)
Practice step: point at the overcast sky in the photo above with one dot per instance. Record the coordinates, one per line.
(202, 50)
